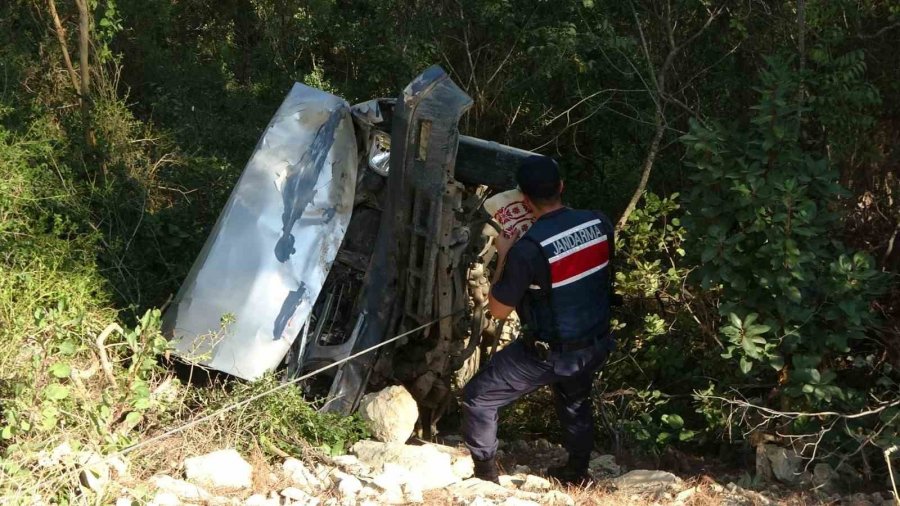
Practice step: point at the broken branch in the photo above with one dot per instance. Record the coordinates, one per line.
(61, 37)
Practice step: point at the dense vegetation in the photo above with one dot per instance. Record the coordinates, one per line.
(749, 150)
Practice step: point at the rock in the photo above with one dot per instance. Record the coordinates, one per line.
(348, 485)
(391, 414)
(367, 492)
(301, 476)
(260, 500)
(351, 464)
(436, 466)
(94, 472)
(522, 470)
(478, 501)
(542, 445)
(785, 463)
(299, 496)
(763, 466)
(223, 469)
(685, 495)
(118, 465)
(58, 455)
(223, 501)
(512, 481)
(605, 464)
(184, 490)
(412, 491)
(824, 477)
(743, 496)
(645, 481)
(165, 499)
(557, 498)
(535, 484)
(519, 446)
(515, 501)
(394, 480)
(393, 476)
(473, 488)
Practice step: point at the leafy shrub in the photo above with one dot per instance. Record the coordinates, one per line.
(765, 234)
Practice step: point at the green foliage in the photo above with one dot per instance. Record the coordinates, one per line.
(774, 301)
(766, 234)
(285, 421)
(765, 231)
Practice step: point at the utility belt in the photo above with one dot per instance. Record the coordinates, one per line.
(543, 348)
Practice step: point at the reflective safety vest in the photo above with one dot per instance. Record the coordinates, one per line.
(574, 303)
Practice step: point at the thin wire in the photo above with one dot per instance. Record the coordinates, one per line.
(244, 402)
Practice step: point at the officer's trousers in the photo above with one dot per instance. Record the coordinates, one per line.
(516, 371)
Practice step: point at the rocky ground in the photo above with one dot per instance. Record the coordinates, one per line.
(399, 470)
(377, 473)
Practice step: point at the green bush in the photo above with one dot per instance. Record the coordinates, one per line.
(764, 229)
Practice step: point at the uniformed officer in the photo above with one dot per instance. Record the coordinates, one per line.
(559, 280)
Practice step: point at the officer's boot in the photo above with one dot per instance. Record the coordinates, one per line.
(486, 469)
(573, 473)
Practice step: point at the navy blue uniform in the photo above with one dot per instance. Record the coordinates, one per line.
(559, 280)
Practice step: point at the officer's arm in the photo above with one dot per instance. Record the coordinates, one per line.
(498, 309)
(510, 281)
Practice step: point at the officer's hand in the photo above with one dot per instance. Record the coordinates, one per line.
(504, 242)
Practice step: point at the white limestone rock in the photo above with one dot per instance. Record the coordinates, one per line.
(683, 496)
(95, 472)
(301, 476)
(297, 497)
(348, 485)
(222, 469)
(535, 484)
(436, 466)
(184, 490)
(391, 414)
(474, 488)
(515, 501)
(261, 500)
(165, 499)
(412, 492)
(557, 498)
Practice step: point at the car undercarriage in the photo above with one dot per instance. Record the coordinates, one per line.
(351, 225)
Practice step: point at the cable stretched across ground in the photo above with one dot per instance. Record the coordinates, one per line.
(272, 390)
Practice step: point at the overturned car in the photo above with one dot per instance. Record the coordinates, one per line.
(348, 226)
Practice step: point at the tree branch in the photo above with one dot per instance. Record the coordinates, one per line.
(659, 96)
(61, 37)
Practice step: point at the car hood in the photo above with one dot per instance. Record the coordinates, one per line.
(251, 289)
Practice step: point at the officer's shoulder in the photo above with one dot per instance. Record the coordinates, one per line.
(525, 247)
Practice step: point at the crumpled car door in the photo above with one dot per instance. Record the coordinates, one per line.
(251, 289)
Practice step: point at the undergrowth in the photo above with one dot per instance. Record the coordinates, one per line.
(83, 368)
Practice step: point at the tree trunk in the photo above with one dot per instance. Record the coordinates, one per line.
(645, 170)
(84, 48)
(61, 37)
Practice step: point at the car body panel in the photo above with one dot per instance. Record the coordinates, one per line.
(251, 289)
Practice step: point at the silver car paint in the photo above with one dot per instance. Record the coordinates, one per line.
(251, 289)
